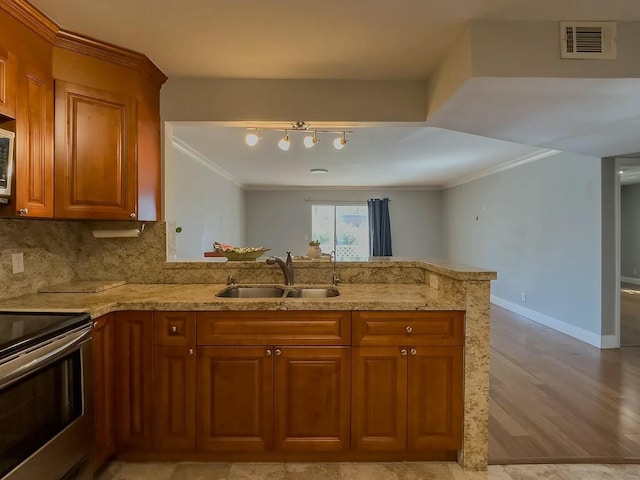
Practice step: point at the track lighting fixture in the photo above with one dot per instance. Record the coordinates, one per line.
(252, 138)
(284, 142)
(340, 142)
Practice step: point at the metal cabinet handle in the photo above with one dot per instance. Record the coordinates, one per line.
(408, 329)
(403, 352)
(23, 211)
(413, 351)
(132, 216)
(95, 324)
(278, 352)
(268, 352)
(191, 351)
(173, 330)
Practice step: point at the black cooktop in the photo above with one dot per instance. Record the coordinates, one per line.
(22, 330)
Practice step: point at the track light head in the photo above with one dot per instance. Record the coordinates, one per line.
(340, 142)
(284, 142)
(311, 140)
(252, 138)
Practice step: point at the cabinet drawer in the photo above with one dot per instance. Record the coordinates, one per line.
(408, 328)
(274, 328)
(174, 328)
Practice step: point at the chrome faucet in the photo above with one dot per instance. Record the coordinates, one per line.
(335, 278)
(285, 265)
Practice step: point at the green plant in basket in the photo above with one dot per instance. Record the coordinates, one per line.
(314, 243)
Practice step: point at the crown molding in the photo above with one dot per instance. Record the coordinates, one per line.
(530, 157)
(109, 52)
(192, 153)
(31, 17)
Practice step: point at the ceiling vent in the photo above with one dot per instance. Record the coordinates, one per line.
(592, 40)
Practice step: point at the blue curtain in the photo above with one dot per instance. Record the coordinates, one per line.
(379, 227)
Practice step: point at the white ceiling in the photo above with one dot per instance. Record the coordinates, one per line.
(384, 157)
(372, 39)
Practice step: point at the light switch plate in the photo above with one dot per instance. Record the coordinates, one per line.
(17, 262)
(433, 281)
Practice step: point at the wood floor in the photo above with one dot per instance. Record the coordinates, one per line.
(554, 399)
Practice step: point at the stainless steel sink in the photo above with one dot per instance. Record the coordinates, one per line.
(272, 291)
(237, 291)
(313, 292)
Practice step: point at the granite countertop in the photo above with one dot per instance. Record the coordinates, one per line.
(202, 297)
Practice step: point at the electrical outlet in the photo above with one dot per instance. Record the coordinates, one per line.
(524, 297)
(433, 281)
(17, 262)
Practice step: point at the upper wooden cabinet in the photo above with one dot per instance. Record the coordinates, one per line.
(107, 122)
(26, 94)
(107, 138)
(95, 153)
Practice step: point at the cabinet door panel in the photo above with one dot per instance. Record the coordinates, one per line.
(8, 65)
(95, 153)
(174, 393)
(134, 382)
(435, 403)
(379, 417)
(104, 379)
(235, 399)
(34, 144)
(312, 398)
(174, 329)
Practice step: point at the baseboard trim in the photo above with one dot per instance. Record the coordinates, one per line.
(631, 280)
(609, 341)
(563, 327)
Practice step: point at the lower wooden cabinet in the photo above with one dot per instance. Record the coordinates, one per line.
(235, 399)
(104, 383)
(288, 398)
(175, 398)
(407, 398)
(134, 406)
(176, 394)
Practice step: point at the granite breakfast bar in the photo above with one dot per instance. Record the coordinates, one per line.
(368, 286)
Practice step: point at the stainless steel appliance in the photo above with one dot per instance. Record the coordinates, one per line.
(46, 401)
(6, 164)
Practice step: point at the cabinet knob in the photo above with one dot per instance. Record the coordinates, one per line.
(95, 324)
(23, 211)
(413, 351)
(403, 352)
(268, 352)
(408, 329)
(278, 352)
(173, 330)
(132, 216)
(191, 352)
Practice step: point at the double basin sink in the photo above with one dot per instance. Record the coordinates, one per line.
(262, 291)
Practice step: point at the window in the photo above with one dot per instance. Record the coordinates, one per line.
(343, 228)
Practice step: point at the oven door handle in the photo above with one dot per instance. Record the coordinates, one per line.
(37, 358)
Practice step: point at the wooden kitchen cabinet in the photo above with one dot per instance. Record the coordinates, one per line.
(290, 396)
(415, 376)
(312, 399)
(134, 382)
(235, 399)
(26, 76)
(104, 388)
(174, 380)
(95, 141)
(107, 135)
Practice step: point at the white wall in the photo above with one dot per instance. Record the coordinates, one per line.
(281, 219)
(539, 226)
(207, 206)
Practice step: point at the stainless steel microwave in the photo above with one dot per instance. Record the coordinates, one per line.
(7, 140)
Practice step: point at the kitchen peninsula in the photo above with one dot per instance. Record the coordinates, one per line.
(389, 313)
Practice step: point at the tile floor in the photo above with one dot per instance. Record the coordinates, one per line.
(360, 471)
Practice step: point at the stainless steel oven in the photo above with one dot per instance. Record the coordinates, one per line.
(46, 402)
